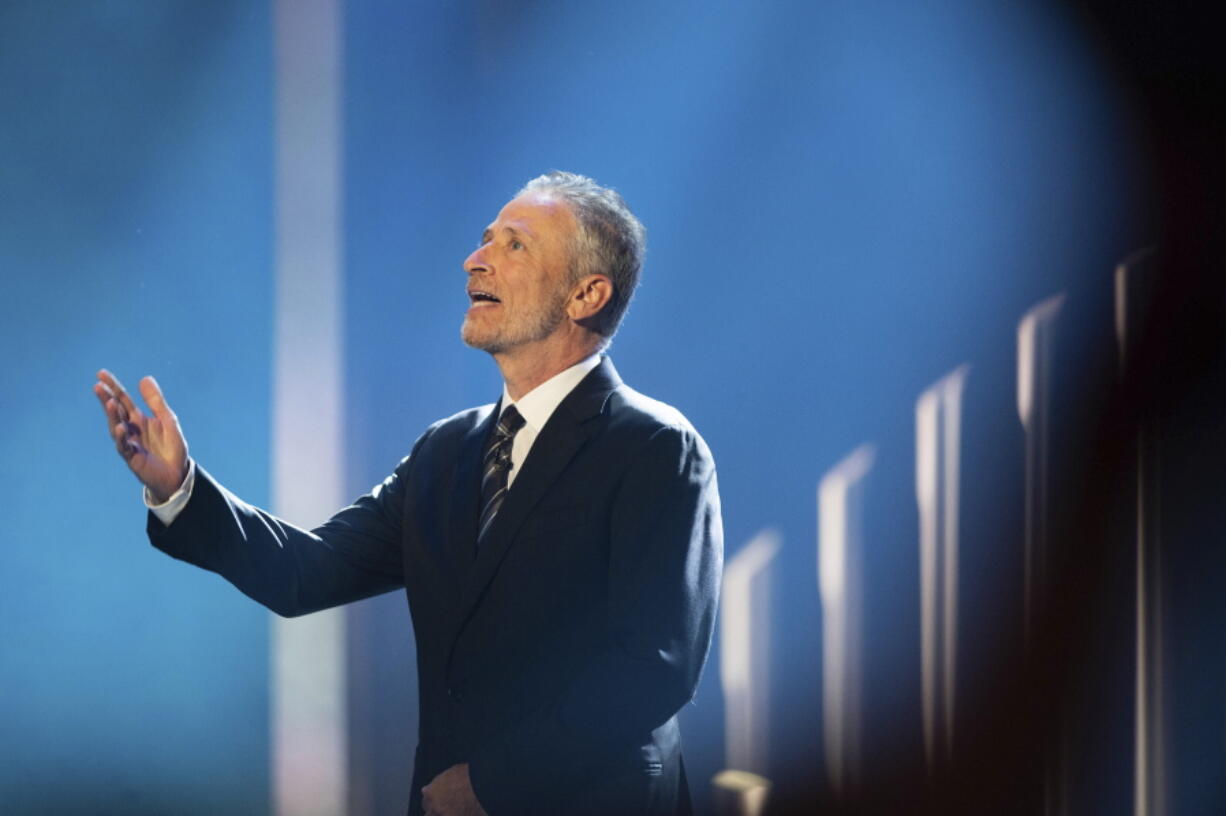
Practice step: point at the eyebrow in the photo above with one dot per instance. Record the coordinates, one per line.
(485, 236)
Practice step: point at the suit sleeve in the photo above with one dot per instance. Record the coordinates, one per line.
(354, 555)
(665, 563)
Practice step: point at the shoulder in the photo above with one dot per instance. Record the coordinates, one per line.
(629, 406)
(451, 430)
(457, 425)
(638, 421)
(448, 433)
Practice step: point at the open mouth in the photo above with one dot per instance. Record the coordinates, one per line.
(478, 296)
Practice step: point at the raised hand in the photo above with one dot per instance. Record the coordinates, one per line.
(152, 445)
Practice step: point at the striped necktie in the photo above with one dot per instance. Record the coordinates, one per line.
(496, 466)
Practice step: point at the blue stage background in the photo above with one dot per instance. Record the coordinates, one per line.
(843, 203)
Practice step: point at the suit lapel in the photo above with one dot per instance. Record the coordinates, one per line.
(561, 438)
(466, 495)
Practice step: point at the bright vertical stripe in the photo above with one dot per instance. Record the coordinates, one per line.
(938, 431)
(840, 582)
(1134, 282)
(308, 680)
(1035, 339)
(745, 653)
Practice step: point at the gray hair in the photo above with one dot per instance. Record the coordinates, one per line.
(610, 240)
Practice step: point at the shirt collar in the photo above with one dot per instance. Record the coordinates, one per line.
(538, 404)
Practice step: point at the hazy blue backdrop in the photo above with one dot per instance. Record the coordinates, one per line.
(844, 201)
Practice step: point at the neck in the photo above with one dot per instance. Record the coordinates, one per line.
(525, 368)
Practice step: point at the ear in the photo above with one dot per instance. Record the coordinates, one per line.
(588, 297)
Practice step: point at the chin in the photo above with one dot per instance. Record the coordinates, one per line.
(475, 339)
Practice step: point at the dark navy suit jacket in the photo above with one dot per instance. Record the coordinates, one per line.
(554, 658)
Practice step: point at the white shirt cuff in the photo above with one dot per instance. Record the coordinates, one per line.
(169, 510)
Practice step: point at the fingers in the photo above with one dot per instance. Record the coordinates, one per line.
(102, 393)
(104, 396)
(152, 392)
(115, 415)
(124, 432)
(115, 412)
(119, 433)
(120, 395)
(127, 439)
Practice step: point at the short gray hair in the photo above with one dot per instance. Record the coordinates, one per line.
(610, 240)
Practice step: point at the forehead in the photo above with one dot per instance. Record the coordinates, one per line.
(537, 213)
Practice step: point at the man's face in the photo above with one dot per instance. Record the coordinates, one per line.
(518, 278)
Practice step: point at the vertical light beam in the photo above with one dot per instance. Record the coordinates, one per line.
(1133, 283)
(745, 653)
(744, 671)
(1036, 337)
(308, 688)
(840, 582)
(938, 431)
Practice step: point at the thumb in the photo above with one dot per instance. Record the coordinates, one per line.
(152, 393)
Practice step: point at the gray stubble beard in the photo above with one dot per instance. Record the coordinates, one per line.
(544, 324)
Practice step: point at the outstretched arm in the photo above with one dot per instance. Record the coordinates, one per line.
(292, 571)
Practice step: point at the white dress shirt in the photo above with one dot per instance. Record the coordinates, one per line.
(538, 405)
(535, 407)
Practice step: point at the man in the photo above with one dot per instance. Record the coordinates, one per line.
(561, 551)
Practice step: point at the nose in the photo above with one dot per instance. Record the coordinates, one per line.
(477, 263)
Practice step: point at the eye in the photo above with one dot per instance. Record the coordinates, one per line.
(515, 244)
